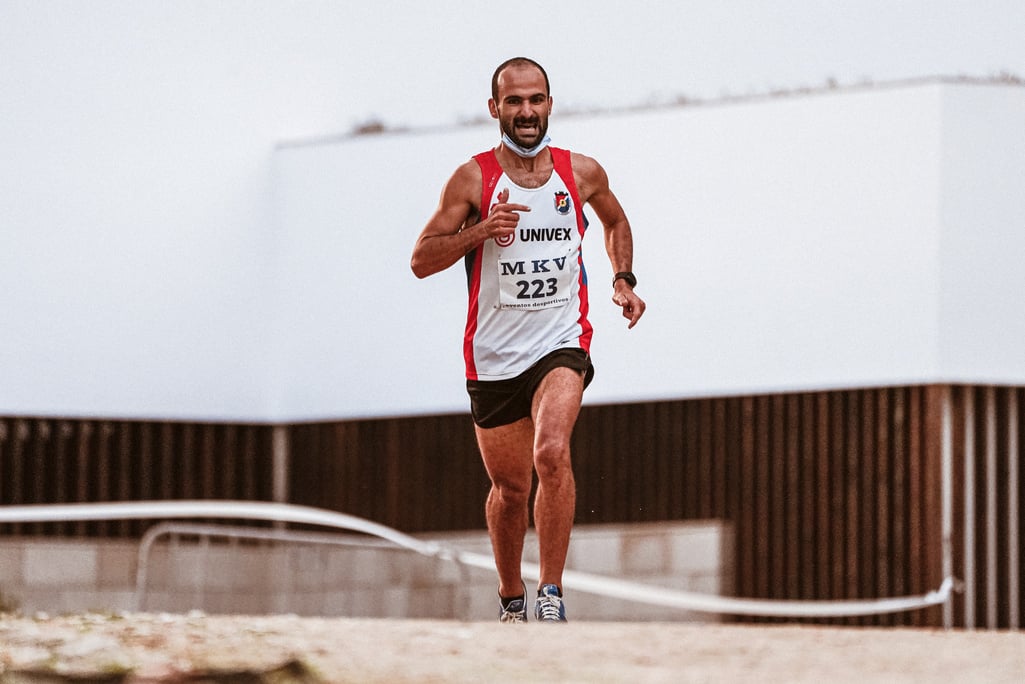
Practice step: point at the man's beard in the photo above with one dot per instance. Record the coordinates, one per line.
(510, 130)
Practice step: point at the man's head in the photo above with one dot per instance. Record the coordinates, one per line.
(519, 62)
(521, 100)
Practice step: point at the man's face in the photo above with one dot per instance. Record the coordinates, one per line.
(523, 105)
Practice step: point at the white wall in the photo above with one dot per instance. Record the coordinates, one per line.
(788, 244)
(781, 244)
(982, 236)
(356, 332)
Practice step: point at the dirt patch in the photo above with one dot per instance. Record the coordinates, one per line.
(142, 648)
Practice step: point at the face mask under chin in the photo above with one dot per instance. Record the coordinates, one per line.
(522, 151)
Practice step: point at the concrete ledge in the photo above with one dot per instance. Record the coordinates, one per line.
(234, 577)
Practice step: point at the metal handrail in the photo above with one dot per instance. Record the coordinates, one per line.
(237, 532)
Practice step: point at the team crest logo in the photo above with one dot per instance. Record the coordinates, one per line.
(562, 202)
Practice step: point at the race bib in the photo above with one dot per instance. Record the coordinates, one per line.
(536, 283)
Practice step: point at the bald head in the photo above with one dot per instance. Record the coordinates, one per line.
(517, 62)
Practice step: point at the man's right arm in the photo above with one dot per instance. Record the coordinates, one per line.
(447, 238)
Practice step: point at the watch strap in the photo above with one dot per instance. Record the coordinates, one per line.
(628, 276)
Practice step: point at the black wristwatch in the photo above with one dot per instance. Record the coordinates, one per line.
(628, 276)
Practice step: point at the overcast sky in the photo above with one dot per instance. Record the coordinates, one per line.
(431, 61)
(329, 65)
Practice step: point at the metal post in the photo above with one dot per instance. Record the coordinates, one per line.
(992, 549)
(1013, 532)
(969, 509)
(947, 500)
(281, 458)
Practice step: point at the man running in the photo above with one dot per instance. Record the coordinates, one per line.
(514, 214)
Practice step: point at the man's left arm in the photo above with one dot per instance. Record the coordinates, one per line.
(593, 185)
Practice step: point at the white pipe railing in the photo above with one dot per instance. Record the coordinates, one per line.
(577, 581)
(234, 532)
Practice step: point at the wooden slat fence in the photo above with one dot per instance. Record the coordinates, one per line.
(69, 461)
(832, 495)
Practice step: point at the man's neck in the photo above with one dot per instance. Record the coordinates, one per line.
(526, 172)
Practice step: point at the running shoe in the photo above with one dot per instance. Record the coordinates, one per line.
(548, 607)
(513, 610)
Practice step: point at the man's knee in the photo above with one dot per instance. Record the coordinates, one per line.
(552, 457)
(511, 490)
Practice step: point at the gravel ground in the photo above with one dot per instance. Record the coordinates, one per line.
(141, 648)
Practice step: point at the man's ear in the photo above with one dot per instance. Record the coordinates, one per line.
(493, 107)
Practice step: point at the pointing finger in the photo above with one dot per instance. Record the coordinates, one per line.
(503, 198)
(509, 208)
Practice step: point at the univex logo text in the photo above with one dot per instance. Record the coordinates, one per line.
(544, 234)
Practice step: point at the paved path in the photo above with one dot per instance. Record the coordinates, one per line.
(197, 648)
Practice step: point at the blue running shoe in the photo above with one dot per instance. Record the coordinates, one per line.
(549, 607)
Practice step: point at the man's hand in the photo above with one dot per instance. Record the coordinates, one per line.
(633, 306)
(502, 218)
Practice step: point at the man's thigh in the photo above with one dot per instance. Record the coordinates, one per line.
(556, 403)
(508, 452)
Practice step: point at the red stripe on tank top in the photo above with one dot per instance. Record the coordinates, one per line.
(490, 170)
(564, 167)
(473, 284)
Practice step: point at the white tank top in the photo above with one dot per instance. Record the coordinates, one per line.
(527, 293)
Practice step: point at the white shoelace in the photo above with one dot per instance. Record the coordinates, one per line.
(549, 607)
(509, 615)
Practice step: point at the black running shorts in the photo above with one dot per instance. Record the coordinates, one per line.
(499, 402)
